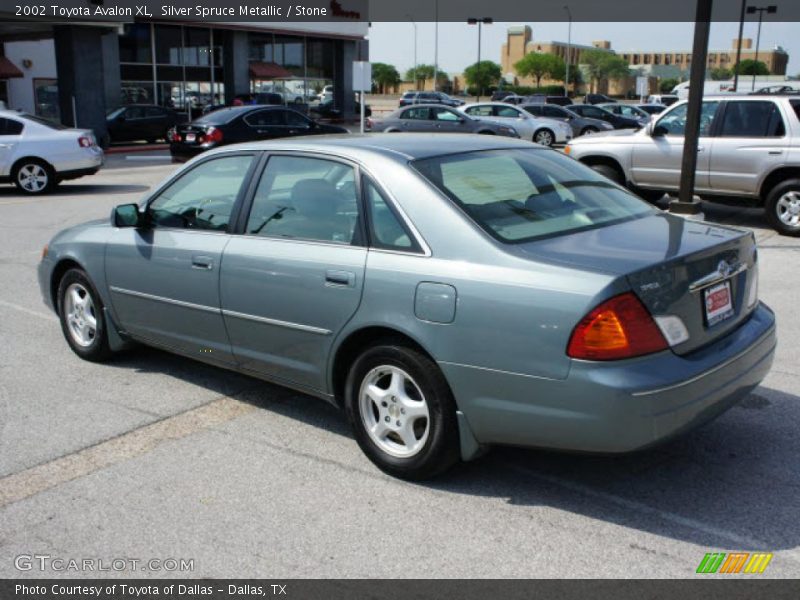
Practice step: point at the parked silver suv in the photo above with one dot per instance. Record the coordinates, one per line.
(749, 147)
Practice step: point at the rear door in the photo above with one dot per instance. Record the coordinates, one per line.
(10, 134)
(294, 278)
(656, 159)
(751, 140)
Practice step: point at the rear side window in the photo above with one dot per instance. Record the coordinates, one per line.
(386, 229)
(752, 119)
(521, 195)
(10, 127)
(416, 114)
(479, 111)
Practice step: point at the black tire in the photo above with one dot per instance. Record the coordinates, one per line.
(28, 167)
(784, 201)
(609, 173)
(98, 349)
(545, 137)
(487, 132)
(440, 451)
(589, 129)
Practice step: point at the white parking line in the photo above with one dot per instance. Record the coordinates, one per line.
(28, 311)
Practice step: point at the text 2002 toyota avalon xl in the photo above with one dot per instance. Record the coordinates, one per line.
(449, 292)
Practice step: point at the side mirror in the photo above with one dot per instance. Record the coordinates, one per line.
(657, 130)
(126, 215)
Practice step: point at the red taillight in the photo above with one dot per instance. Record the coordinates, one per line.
(368, 123)
(85, 141)
(213, 135)
(618, 328)
(173, 135)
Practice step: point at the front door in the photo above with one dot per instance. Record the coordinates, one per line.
(656, 160)
(294, 279)
(164, 278)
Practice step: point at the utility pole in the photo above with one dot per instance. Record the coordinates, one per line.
(414, 23)
(479, 22)
(685, 204)
(569, 50)
(739, 49)
(771, 10)
(436, 46)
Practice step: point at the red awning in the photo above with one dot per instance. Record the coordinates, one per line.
(8, 70)
(265, 70)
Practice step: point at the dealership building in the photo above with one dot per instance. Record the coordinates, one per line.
(76, 73)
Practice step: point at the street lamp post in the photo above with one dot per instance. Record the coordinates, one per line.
(414, 23)
(739, 49)
(569, 50)
(771, 10)
(479, 22)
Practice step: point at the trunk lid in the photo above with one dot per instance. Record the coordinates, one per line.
(192, 134)
(672, 265)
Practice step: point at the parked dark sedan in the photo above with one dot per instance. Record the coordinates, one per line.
(327, 110)
(242, 124)
(140, 122)
(597, 99)
(595, 112)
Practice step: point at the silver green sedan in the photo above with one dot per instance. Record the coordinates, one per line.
(450, 292)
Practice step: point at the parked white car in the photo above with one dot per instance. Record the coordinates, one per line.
(546, 132)
(749, 147)
(37, 154)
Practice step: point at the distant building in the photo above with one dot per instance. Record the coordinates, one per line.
(655, 65)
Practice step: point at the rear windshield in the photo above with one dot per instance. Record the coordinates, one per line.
(42, 121)
(219, 117)
(521, 195)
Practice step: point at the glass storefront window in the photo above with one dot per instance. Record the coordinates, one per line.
(45, 93)
(134, 44)
(168, 44)
(137, 92)
(319, 59)
(197, 47)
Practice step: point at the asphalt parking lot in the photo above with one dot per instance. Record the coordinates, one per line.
(153, 456)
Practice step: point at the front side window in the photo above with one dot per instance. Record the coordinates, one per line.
(295, 119)
(752, 119)
(552, 111)
(507, 112)
(203, 197)
(520, 195)
(306, 198)
(674, 122)
(442, 114)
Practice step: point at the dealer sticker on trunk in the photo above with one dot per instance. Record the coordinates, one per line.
(718, 303)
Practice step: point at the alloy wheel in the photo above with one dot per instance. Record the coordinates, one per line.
(80, 314)
(545, 138)
(32, 177)
(394, 411)
(788, 209)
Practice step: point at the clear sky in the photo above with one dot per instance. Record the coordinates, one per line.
(393, 43)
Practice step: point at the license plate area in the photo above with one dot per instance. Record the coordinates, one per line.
(190, 137)
(718, 303)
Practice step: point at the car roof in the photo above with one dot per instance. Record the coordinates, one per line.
(398, 146)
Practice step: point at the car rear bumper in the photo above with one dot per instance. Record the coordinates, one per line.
(181, 152)
(620, 406)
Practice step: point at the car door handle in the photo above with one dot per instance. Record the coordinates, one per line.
(5, 145)
(701, 149)
(202, 262)
(345, 278)
(776, 152)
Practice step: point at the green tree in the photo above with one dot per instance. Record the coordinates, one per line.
(483, 75)
(720, 73)
(666, 85)
(752, 67)
(423, 73)
(541, 65)
(384, 76)
(602, 65)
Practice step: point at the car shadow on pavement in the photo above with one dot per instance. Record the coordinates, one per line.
(732, 483)
(84, 189)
